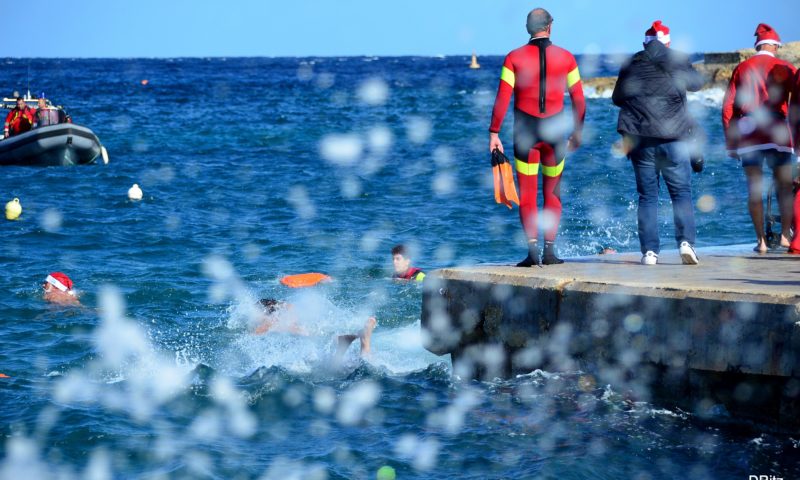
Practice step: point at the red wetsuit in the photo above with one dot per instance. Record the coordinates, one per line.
(19, 121)
(537, 74)
(755, 105)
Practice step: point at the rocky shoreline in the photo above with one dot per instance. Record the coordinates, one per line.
(716, 67)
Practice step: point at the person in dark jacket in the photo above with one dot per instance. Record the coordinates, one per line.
(656, 127)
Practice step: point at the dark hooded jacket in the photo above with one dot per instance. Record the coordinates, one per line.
(651, 93)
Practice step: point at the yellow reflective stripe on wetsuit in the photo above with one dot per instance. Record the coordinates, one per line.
(553, 171)
(573, 77)
(526, 168)
(507, 75)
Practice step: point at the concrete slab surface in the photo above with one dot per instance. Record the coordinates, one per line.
(725, 273)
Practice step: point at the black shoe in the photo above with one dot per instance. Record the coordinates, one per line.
(533, 256)
(549, 257)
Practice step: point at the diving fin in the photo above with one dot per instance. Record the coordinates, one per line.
(505, 190)
(499, 181)
(509, 187)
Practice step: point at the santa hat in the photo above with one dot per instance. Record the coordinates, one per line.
(61, 281)
(657, 32)
(766, 35)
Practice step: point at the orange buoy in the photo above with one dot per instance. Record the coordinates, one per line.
(145, 81)
(3, 375)
(304, 279)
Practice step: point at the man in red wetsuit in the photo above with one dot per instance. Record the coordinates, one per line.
(794, 121)
(19, 119)
(537, 74)
(756, 132)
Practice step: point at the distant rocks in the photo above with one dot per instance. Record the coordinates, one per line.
(717, 68)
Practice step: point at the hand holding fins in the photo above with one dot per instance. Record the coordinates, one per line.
(498, 188)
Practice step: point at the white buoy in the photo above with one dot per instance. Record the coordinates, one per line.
(135, 193)
(13, 209)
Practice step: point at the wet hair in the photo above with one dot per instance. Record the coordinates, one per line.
(399, 250)
(269, 304)
(538, 20)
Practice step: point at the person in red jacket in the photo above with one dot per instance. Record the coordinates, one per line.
(537, 74)
(19, 119)
(754, 112)
(794, 121)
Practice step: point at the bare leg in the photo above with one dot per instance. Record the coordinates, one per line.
(343, 341)
(755, 204)
(366, 336)
(783, 185)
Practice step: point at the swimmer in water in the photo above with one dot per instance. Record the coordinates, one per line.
(58, 290)
(277, 317)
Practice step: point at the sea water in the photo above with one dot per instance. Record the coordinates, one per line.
(255, 168)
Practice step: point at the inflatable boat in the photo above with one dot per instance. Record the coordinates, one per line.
(59, 144)
(53, 145)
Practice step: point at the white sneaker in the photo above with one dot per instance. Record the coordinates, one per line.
(649, 258)
(688, 255)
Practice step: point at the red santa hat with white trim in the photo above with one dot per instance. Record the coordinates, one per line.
(657, 31)
(766, 35)
(61, 281)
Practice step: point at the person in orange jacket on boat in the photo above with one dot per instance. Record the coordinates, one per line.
(19, 119)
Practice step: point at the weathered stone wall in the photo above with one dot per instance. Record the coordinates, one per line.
(695, 351)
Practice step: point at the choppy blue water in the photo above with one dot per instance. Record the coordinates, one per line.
(257, 168)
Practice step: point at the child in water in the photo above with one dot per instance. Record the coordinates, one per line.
(402, 265)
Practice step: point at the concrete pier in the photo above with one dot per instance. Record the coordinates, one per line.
(720, 338)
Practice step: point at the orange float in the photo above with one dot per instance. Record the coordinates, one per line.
(301, 280)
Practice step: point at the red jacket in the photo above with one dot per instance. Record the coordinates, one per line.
(794, 114)
(540, 94)
(755, 105)
(18, 121)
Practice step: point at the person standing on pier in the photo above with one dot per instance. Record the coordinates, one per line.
(754, 113)
(794, 121)
(656, 126)
(537, 74)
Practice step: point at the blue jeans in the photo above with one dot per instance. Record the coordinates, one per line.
(653, 158)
